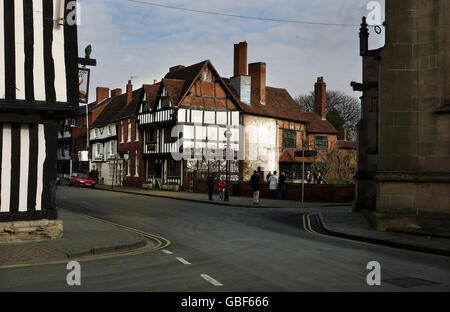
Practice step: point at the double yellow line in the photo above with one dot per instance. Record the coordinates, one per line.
(307, 224)
(161, 243)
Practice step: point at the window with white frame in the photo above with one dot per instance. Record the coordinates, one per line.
(136, 164)
(112, 148)
(129, 165)
(129, 132)
(121, 132)
(137, 132)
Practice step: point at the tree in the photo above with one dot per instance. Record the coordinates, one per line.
(342, 110)
(337, 166)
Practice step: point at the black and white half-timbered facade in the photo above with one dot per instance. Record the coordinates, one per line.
(183, 119)
(38, 87)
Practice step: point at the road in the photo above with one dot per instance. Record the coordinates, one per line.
(221, 248)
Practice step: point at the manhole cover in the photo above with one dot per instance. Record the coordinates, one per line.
(408, 282)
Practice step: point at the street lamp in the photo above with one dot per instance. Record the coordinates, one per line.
(228, 135)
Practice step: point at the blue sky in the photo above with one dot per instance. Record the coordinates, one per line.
(134, 39)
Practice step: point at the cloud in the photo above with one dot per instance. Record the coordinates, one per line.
(134, 39)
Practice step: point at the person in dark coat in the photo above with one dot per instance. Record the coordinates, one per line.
(211, 182)
(255, 181)
(281, 186)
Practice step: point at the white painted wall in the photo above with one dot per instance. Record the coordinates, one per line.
(261, 144)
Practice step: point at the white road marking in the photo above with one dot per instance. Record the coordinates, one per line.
(211, 280)
(167, 252)
(183, 261)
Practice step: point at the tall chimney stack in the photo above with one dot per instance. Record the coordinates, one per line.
(257, 72)
(129, 92)
(102, 94)
(320, 98)
(363, 38)
(240, 59)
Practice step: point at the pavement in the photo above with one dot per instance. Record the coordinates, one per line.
(235, 201)
(336, 219)
(82, 237)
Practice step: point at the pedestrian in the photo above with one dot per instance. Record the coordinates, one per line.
(96, 175)
(273, 185)
(210, 183)
(268, 177)
(222, 186)
(309, 177)
(281, 186)
(255, 181)
(319, 178)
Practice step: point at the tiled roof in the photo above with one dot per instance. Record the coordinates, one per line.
(115, 110)
(175, 88)
(317, 125)
(189, 75)
(130, 109)
(186, 74)
(279, 104)
(152, 92)
(92, 106)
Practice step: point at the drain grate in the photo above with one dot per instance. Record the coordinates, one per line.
(408, 282)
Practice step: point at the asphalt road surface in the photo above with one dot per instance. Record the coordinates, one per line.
(221, 248)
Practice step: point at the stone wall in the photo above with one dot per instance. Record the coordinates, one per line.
(23, 231)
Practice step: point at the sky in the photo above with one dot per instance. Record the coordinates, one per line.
(137, 41)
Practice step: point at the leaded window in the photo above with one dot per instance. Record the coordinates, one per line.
(321, 142)
(289, 139)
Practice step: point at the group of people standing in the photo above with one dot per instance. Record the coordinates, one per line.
(317, 177)
(221, 185)
(93, 174)
(277, 185)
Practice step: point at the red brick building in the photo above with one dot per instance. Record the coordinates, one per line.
(129, 139)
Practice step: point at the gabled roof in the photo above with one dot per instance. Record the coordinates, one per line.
(151, 91)
(189, 75)
(317, 125)
(174, 89)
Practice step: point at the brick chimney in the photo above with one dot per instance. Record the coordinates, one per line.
(116, 92)
(320, 98)
(102, 94)
(174, 68)
(129, 92)
(257, 72)
(240, 59)
(343, 134)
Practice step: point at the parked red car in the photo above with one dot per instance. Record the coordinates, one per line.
(81, 179)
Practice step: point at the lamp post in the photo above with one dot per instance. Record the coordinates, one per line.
(228, 136)
(303, 167)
